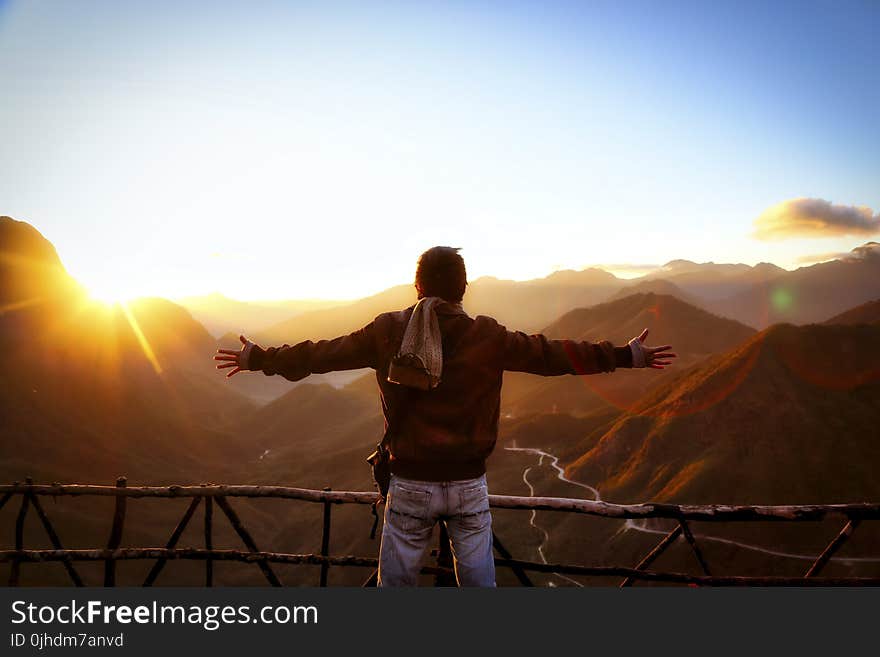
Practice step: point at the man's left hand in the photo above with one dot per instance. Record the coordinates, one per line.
(236, 359)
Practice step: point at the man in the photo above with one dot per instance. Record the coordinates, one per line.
(440, 373)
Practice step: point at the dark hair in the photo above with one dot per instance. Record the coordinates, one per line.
(441, 273)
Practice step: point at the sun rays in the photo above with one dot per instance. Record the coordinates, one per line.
(20, 305)
(141, 338)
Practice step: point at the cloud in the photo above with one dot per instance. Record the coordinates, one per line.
(814, 217)
(866, 250)
(820, 257)
(863, 252)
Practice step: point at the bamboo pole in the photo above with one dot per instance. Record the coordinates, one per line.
(247, 539)
(15, 570)
(505, 554)
(325, 543)
(372, 581)
(209, 541)
(716, 512)
(444, 560)
(833, 546)
(54, 539)
(175, 536)
(37, 556)
(686, 530)
(5, 499)
(653, 554)
(115, 533)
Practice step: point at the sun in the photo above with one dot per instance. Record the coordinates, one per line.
(109, 294)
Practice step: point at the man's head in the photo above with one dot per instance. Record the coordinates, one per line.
(441, 273)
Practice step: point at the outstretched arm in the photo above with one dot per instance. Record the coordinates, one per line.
(538, 354)
(348, 352)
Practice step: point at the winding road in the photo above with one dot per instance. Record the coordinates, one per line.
(634, 525)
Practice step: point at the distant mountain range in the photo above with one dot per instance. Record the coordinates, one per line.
(809, 294)
(220, 314)
(788, 414)
(710, 281)
(520, 305)
(757, 296)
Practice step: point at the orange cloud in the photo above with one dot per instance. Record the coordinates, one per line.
(814, 217)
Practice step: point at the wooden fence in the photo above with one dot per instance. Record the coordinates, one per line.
(219, 495)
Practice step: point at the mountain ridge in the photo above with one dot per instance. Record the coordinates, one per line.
(786, 418)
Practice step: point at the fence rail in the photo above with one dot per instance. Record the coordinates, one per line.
(218, 496)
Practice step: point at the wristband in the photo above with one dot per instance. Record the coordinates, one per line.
(639, 357)
(245, 356)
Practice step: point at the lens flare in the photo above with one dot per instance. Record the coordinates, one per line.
(781, 299)
(831, 358)
(142, 339)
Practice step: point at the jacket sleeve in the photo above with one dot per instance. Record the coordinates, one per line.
(537, 354)
(348, 352)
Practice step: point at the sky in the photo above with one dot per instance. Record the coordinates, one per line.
(313, 150)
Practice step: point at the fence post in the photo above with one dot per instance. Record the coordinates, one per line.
(833, 546)
(444, 560)
(689, 537)
(175, 536)
(115, 534)
(19, 535)
(209, 542)
(5, 499)
(53, 538)
(653, 554)
(246, 538)
(325, 541)
(519, 572)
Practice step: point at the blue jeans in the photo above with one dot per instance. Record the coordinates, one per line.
(411, 511)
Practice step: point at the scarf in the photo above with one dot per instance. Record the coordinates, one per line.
(419, 362)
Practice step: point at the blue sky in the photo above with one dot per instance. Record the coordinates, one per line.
(291, 149)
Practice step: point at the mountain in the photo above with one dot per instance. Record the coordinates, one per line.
(693, 333)
(315, 436)
(695, 330)
(220, 314)
(711, 281)
(33, 282)
(656, 286)
(524, 305)
(91, 391)
(332, 322)
(809, 294)
(867, 313)
(529, 305)
(790, 417)
(30, 268)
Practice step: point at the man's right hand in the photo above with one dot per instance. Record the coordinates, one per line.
(236, 359)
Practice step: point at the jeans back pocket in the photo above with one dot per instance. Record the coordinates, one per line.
(409, 507)
(474, 509)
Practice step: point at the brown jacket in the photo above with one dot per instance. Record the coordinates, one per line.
(446, 433)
